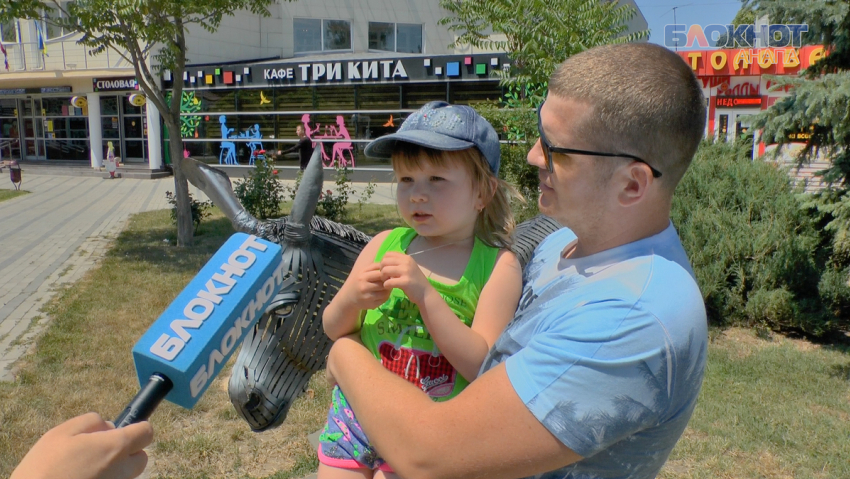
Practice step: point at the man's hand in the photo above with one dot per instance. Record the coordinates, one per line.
(401, 271)
(87, 447)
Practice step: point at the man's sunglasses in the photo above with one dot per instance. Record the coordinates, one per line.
(548, 149)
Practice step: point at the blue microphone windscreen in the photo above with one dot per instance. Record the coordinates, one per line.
(193, 339)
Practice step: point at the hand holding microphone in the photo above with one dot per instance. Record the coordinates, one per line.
(87, 447)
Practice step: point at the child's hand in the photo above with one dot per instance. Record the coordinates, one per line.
(401, 271)
(369, 290)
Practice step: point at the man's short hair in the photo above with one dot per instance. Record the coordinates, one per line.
(646, 102)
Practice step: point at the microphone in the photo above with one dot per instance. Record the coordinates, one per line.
(185, 349)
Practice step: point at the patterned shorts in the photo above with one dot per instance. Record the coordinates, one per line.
(343, 444)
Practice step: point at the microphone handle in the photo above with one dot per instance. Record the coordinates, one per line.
(146, 401)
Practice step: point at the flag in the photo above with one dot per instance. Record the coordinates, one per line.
(42, 47)
(5, 56)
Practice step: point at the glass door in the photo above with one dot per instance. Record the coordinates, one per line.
(125, 125)
(134, 119)
(33, 118)
(110, 123)
(10, 134)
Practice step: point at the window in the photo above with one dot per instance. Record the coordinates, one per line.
(337, 34)
(51, 17)
(395, 37)
(382, 36)
(409, 38)
(9, 32)
(315, 35)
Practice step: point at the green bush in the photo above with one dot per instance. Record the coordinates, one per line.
(199, 209)
(516, 121)
(755, 247)
(261, 193)
(332, 205)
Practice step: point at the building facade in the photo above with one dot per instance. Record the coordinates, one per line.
(347, 72)
(737, 84)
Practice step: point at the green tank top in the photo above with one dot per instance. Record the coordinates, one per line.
(396, 335)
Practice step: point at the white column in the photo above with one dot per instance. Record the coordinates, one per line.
(95, 130)
(154, 137)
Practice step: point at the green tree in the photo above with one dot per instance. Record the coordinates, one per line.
(151, 35)
(539, 35)
(819, 102)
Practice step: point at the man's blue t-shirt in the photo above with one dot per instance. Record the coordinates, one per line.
(608, 352)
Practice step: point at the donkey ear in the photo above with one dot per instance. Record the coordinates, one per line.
(216, 185)
(307, 196)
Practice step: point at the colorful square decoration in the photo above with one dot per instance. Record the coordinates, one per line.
(438, 70)
(453, 69)
(228, 78)
(480, 68)
(467, 61)
(427, 62)
(494, 62)
(217, 71)
(246, 71)
(209, 79)
(200, 73)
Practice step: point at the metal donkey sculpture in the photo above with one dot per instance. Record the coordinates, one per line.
(288, 344)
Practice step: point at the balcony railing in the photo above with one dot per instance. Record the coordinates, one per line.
(60, 56)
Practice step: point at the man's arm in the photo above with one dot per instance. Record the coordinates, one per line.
(486, 431)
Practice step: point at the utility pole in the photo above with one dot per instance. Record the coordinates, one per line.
(675, 23)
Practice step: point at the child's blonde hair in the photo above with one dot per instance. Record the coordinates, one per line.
(495, 222)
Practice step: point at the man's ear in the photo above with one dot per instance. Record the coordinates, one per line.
(636, 179)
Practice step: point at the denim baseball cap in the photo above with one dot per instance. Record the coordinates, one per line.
(441, 126)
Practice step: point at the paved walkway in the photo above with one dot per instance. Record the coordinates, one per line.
(52, 236)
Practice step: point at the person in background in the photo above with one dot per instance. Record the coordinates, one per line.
(304, 147)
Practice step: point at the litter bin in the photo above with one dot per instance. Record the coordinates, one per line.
(15, 174)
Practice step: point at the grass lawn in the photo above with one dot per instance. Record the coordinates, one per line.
(770, 407)
(9, 194)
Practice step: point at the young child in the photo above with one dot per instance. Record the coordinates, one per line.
(429, 300)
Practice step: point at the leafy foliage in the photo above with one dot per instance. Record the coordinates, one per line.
(261, 193)
(199, 209)
(332, 205)
(517, 124)
(818, 103)
(821, 96)
(538, 34)
(755, 246)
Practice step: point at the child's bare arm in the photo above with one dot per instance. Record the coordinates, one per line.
(362, 290)
(466, 347)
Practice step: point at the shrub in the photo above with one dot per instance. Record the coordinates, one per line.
(261, 193)
(199, 209)
(332, 204)
(516, 121)
(755, 248)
